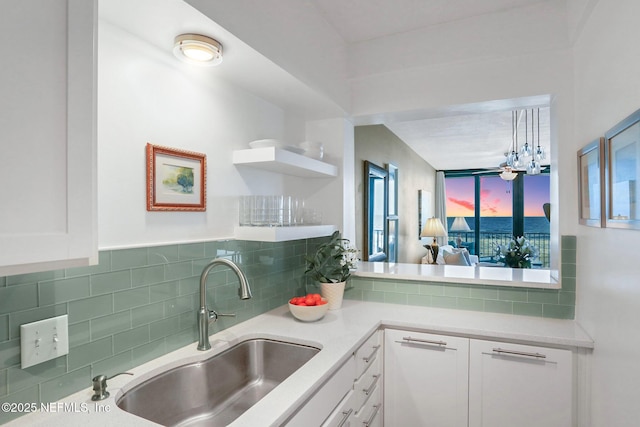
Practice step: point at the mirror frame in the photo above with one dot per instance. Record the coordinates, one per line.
(373, 171)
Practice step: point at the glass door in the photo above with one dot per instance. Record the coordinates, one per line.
(496, 215)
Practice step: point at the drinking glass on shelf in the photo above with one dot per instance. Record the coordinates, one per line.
(286, 212)
(260, 211)
(298, 210)
(246, 210)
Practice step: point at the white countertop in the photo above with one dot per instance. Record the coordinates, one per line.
(338, 334)
(497, 276)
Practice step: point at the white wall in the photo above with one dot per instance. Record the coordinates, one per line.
(292, 34)
(607, 89)
(481, 59)
(537, 27)
(146, 95)
(338, 141)
(380, 146)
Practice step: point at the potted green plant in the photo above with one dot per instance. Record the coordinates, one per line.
(331, 266)
(517, 254)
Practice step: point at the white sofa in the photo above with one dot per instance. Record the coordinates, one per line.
(472, 259)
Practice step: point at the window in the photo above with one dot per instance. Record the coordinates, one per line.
(461, 208)
(496, 215)
(495, 210)
(536, 225)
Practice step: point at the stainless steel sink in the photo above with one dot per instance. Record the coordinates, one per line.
(218, 390)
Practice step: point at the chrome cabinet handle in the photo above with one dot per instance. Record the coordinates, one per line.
(410, 340)
(367, 391)
(376, 408)
(519, 353)
(372, 355)
(345, 417)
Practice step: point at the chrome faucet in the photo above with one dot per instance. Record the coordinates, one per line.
(205, 315)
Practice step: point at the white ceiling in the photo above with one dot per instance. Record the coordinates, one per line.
(360, 20)
(470, 141)
(458, 137)
(455, 137)
(158, 22)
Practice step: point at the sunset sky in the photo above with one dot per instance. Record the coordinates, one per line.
(495, 196)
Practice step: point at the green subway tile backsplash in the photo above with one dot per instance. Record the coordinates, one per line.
(110, 324)
(3, 383)
(569, 242)
(552, 303)
(4, 328)
(129, 258)
(13, 298)
(62, 290)
(59, 387)
(108, 283)
(138, 304)
(90, 308)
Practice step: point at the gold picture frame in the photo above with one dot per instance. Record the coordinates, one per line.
(176, 179)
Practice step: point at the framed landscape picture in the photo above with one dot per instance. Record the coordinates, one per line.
(590, 184)
(176, 179)
(622, 173)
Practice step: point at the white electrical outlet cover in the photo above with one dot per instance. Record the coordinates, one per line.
(44, 340)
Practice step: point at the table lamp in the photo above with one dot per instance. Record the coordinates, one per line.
(433, 228)
(459, 225)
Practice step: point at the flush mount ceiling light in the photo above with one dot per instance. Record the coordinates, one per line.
(197, 49)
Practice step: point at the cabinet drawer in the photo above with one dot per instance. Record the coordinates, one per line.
(343, 415)
(371, 413)
(368, 352)
(328, 397)
(369, 381)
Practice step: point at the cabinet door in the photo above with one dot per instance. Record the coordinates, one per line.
(47, 135)
(519, 385)
(425, 379)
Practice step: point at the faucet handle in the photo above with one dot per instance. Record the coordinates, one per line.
(213, 315)
(100, 385)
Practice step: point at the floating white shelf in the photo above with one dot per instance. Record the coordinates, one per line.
(282, 234)
(278, 160)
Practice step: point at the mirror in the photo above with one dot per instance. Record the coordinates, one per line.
(376, 232)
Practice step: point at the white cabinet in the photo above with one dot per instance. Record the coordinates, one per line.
(352, 396)
(425, 381)
(438, 380)
(47, 135)
(371, 413)
(323, 403)
(344, 414)
(369, 377)
(519, 385)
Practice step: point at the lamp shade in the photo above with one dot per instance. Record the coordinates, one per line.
(459, 224)
(433, 228)
(508, 175)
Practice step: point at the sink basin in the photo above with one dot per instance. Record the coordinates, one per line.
(216, 391)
